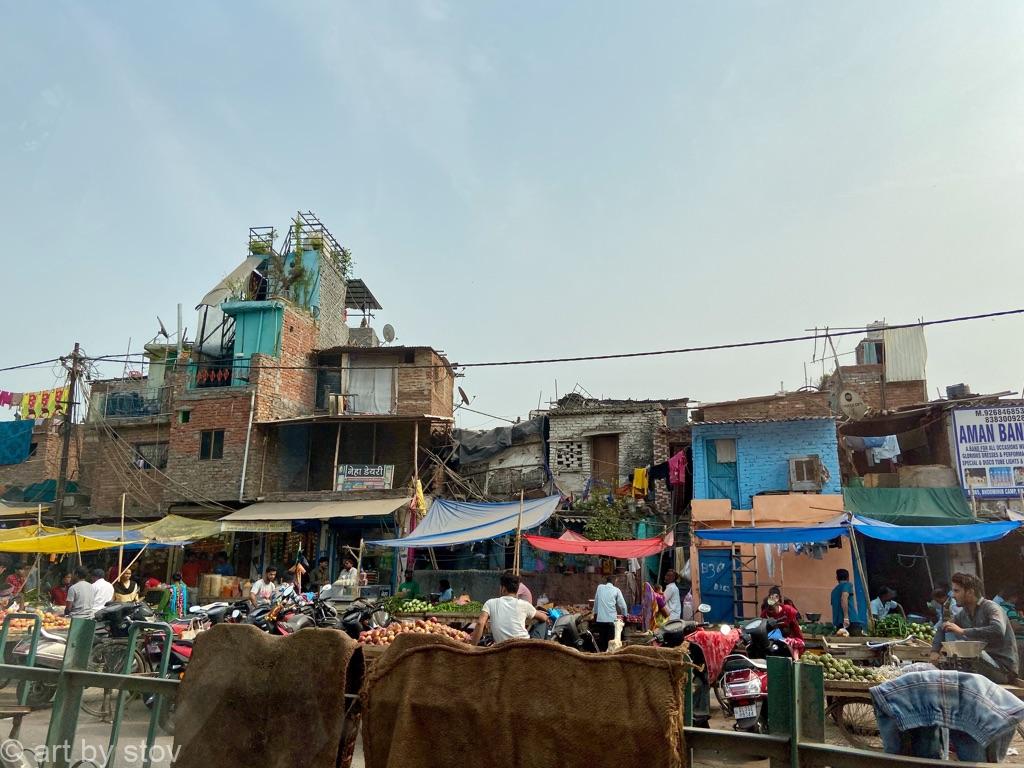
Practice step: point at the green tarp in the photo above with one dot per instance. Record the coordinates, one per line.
(909, 506)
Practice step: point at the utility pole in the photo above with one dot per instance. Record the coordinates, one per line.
(69, 418)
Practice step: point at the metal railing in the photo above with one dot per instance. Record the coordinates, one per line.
(796, 709)
(74, 676)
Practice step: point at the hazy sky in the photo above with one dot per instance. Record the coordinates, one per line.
(527, 179)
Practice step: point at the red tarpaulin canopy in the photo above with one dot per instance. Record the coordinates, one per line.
(572, 536)
(622, 550)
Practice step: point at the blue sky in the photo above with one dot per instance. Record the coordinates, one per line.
(524, 180)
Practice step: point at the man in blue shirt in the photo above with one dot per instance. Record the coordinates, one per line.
(608, 605)
(844, 603)
(222, 567)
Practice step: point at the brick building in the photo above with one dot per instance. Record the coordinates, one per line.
(28, 480)
(272, 397)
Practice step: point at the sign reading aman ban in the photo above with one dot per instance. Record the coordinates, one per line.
(990, 450)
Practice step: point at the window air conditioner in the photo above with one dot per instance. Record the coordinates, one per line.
(806, 473)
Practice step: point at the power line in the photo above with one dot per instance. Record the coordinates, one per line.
(587, 358)
(40, 364)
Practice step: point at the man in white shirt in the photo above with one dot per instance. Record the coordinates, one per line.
(608, 605)
(263, 590)
(507, 614)
(103, 590)
(884, 604)
(673, 603)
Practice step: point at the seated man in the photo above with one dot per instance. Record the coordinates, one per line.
(982, 620)
(885, 604)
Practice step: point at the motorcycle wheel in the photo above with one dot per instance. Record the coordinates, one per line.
(111, 656)
(39, 694)
(722, 699)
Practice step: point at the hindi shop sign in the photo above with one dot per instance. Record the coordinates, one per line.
(990, 450)
(365, 477)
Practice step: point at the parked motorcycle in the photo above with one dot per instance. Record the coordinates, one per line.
(674, 633)
(363, 615)
(743, 686)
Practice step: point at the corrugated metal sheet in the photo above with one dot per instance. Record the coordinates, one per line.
(778, 420)
(906, 353)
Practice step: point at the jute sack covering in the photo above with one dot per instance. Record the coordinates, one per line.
(434, 702)
(252, 699)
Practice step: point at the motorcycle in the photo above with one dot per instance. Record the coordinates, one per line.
(673, 634)
(113, 622)
(743, 686)
(362, 616)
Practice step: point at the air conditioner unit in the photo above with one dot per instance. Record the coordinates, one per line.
(806, 473)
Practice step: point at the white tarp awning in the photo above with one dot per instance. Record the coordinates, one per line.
(223, 290)
(275, 511)
(460, 522)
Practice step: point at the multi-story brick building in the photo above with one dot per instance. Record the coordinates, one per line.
(277, 408)
(34, 480)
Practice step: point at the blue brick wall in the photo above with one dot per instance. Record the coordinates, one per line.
(763, 452)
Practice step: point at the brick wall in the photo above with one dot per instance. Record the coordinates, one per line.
(867, 381)
(573, 431)
(763, 452)
(783, 406)
(108, 469)
(425, 385)
(333, 332)
(286, 387)
(44, 463)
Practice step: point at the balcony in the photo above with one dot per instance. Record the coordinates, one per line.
(131, 401)
(217, 374)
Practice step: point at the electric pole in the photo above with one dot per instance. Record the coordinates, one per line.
(69, 419)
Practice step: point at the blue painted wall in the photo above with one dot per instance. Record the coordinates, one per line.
(763, 452)
(257, 327)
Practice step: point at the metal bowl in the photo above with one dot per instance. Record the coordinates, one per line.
(814, 618)
(964, 649)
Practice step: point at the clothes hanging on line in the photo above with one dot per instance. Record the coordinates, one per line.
(677, 469)
(6, 398)
(45, 404)
(889, 449)
(640, 482)
(660, 472)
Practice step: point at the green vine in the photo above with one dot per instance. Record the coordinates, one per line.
(606, 521)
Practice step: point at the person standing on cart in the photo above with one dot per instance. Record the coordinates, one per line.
(985, 621)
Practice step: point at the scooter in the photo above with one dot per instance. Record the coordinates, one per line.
(362, 616)
(743, 687)
(674, 633)
(570, 630)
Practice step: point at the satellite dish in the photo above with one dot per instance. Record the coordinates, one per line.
(852, 404)
(163, 330)
(464, 396)
(389, 333)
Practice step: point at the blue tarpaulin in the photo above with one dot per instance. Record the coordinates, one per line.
(907, 534)
(462, 522)
(15, 440)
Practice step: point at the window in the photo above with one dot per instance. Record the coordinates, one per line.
(151, 455)
(184, 416)
(33, 448)
(211, 444)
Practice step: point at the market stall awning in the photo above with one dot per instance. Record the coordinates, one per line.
(905, 534)
(461, 522)
(278, 511)
(62, 543)
(172, 529)
(622, 550)
(7, 509)
(910, 506)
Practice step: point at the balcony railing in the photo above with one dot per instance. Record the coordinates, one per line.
(133, 404)
(212, 374)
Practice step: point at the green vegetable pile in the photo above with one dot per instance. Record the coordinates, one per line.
(472, 607)
(405, 605)
(897, 626)
(841, 669)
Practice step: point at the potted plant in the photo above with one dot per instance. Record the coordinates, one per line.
(259, 247)
(314, 242)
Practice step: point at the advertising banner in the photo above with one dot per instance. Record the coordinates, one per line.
(990, 450)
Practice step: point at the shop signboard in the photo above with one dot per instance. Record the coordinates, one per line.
(257, 526)
(990, 450)
(365, 477)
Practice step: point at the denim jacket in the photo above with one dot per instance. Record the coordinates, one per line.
(958, 701)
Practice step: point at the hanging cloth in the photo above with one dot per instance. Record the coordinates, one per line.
(677, 469)
(640, 482)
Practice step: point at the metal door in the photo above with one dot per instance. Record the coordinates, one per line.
(716, 583)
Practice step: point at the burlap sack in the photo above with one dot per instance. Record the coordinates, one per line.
(432, 702)
(250, 699)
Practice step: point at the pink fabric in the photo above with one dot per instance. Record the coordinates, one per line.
(524, 593)
(622, 550)
(796, 645)
(572, 536)
(6, 398)
(677, 469)
(716, 647)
